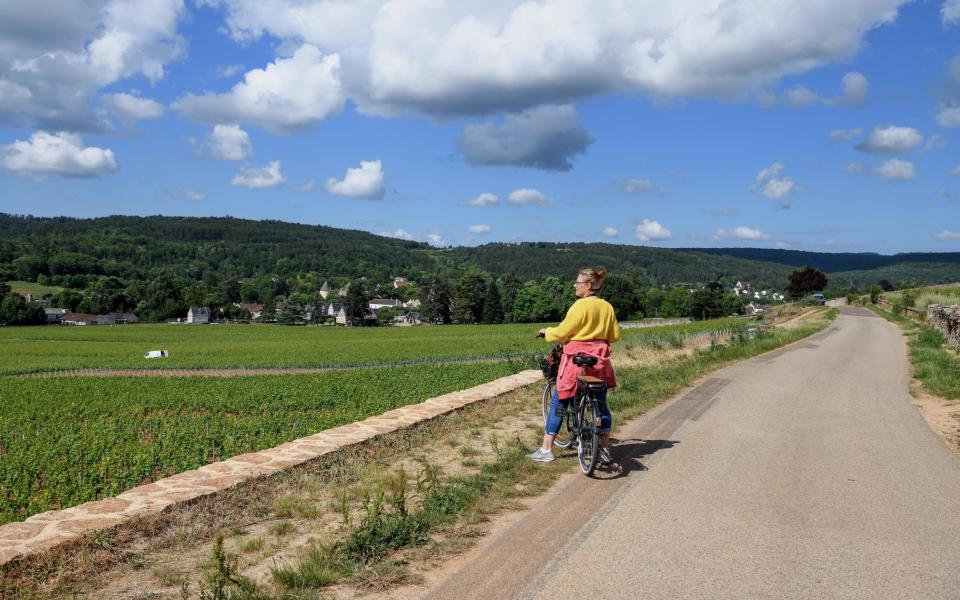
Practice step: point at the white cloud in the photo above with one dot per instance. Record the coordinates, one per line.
(771, 184)
(949, 116)
(610, 232)
(470, 58)
(54, 55)
(259, 177)
(890, 140)
(288, 96)
(856, 91)
(950, 12)
(132, 108)
(935, 142)
(948, 235)
(800, 97)
(60, 154)
(641, 186)
(897, 169)
(480, 229)
(526, 196)
(484, 199)
(648, 230)
(855, 167)
(741, 233)
(545, 137)
(307, 186)
(366, 182)
(845, 134)
(402, 234)
(228, 71)
(229, 142)
(434, 237)
(195, 196)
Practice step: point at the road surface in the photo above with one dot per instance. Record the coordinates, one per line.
(803, 473)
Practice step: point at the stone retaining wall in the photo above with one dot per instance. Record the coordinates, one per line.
(946, 318)
(46, 530)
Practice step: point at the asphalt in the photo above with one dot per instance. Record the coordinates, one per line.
(803, 473)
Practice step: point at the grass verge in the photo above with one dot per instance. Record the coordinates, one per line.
(935, 364)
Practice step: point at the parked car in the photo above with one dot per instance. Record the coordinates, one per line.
(819, 298)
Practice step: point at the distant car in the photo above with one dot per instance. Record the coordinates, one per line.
(818, 298)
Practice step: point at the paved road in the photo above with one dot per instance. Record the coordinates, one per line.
(803, 473)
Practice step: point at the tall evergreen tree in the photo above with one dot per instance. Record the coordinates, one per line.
(357, 301)
(492, 307)
(435, 304)
(510, 285)
(468, 299)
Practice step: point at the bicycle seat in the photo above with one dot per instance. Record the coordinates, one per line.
(585, 361)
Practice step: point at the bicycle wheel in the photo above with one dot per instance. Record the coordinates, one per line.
(565, 433)
(588, 449)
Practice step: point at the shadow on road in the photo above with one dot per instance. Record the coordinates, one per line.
(628, 454)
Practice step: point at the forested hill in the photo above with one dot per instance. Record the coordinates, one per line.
(73, 252)
(662, 266)
(835, 262)
(131, 247)
(216, 248)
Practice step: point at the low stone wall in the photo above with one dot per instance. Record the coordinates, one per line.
(946, 318)
(46, 530)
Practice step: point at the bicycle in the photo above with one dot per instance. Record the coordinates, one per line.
(581, 420)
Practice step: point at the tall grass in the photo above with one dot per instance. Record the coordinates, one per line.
(934, 362)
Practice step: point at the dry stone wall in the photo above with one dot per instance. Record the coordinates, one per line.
(946, 318)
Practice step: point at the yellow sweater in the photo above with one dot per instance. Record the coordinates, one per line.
(589, 318)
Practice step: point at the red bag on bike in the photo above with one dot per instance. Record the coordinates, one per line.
(567, 377)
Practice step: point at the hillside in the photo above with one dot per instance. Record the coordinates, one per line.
(848, 261)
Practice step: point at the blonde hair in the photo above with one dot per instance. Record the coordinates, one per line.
(595, 278)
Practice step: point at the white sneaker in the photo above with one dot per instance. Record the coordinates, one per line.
(541, 455)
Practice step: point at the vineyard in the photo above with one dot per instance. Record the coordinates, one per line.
(68, 440)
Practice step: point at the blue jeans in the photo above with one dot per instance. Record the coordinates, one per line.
(557, 406)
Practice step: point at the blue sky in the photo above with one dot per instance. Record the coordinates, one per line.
(804, 125)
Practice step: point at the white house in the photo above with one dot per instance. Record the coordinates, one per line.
(198, 314)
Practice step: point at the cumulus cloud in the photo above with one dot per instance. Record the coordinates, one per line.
(365, 182)
(525, 196)
(641, 186)
(62, 154)
(948, 235)
(259, 177)
(950, 12)
(648, 230)
(741, 233)
(229, 142)
(897, 169)
(55, 55)
(131, 108)
(195, 196)
(307, 186)
(774, 185)
(288, 96)
(471, 58)
(546, 137)
(856, 91)
(434, 237)
(845, 135)
(609, 232)
(890, 140)
(484, 199)
(479, 229)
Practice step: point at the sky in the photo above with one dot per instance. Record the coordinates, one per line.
(806, 125)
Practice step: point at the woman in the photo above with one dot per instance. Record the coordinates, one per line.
(588, 329)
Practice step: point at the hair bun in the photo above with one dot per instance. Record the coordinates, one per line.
(601, 272)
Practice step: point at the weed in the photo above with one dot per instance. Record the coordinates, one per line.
(468, 451)
(295, 506)
(384, 575)
(224, 579)
(319, 567)
(254, 544)
(168, 575)
(282, 528)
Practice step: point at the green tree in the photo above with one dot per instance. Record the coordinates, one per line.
(357, 301)
(289, 311)
(435, 303)
(467, 305)
(510, 286)
(708, 302)
(806, 280)
(492, 307)
(533, 304)
(875, 291)
(677, 302)
(14, 310)
(620, 292)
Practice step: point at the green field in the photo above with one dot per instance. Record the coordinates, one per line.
(29, 287)
(67, 440)
(32, 349)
